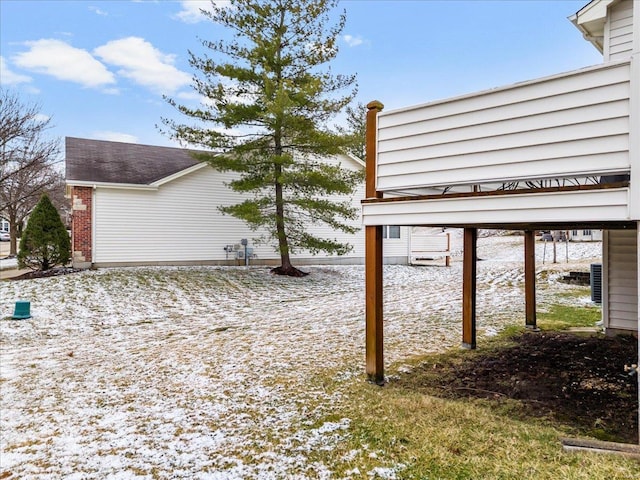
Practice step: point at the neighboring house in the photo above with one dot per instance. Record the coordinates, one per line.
(147, 205)
(556, 153)
(4, 225)
(585, 235)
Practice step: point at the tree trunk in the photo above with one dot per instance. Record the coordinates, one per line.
(285, 268)
(13, 226)
(283, 244)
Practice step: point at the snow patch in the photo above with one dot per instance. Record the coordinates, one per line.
(211, 372)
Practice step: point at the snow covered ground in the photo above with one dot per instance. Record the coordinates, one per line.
(216, 373)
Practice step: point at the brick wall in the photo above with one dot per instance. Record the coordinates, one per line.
(81, 206)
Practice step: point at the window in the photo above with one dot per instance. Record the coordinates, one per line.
(390, 231)
(586, 232)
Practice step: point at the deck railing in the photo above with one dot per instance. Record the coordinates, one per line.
(571, 125)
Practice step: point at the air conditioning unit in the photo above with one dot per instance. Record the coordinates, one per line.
(596, 282)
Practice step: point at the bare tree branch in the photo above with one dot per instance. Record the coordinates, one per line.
(27, 161)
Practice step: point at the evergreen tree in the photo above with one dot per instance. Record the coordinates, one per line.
(45, 242)
(268, 96)
(356, 130)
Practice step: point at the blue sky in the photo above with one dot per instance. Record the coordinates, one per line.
(100, 68)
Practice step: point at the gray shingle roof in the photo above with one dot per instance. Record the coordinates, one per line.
(114, 162)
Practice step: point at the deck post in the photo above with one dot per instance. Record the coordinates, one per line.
(530, 278)
(447, 259)
(373, 260)
(373, 308)
(469, 288)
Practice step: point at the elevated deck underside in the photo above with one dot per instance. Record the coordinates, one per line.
(602, 206)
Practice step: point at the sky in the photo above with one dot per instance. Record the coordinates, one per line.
(99, 69)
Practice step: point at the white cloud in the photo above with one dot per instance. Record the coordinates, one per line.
(353, 41)
(41, 117)
(114, 136)
(191, 13)
(111, 91)
(8, 77)
(64, 62)
(190, 96)
(98, 11)
(141, 62)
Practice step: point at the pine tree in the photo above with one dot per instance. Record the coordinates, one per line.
(45, 242)
(356, 130)
(269, 95)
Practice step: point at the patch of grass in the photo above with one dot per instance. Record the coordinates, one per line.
(402, 431)
(574, 292)
(417, 436)
(543, 275)
(563, 317)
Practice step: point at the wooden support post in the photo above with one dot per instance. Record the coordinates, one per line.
(373, 309)
(371, 146)
(373, 260)
(530, 278)
(469, 288)
(447, 259)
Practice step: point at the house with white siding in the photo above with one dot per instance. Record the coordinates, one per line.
(148, 205)
(554, 153)
(584, 235)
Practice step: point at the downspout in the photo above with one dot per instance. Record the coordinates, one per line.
(634, 158)
(93, 224)
(638, 308)
(73, 229)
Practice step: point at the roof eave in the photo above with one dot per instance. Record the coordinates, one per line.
(125, 186)
(590, 20)
(136, 186)
(179, 174)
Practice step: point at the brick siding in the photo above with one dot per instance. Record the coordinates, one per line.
(81, 207)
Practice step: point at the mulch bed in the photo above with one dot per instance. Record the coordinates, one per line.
(578, 380)
(53, 272)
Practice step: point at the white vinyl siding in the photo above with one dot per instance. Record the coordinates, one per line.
(397, 248)
(619, 31)
(179, 222)
(620, 305)
(579, 206)
(587, 235)
(133, 225)
(567, 125)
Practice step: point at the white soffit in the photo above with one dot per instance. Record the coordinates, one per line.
(590, 20)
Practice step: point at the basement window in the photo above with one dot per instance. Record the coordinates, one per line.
(390, 231)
